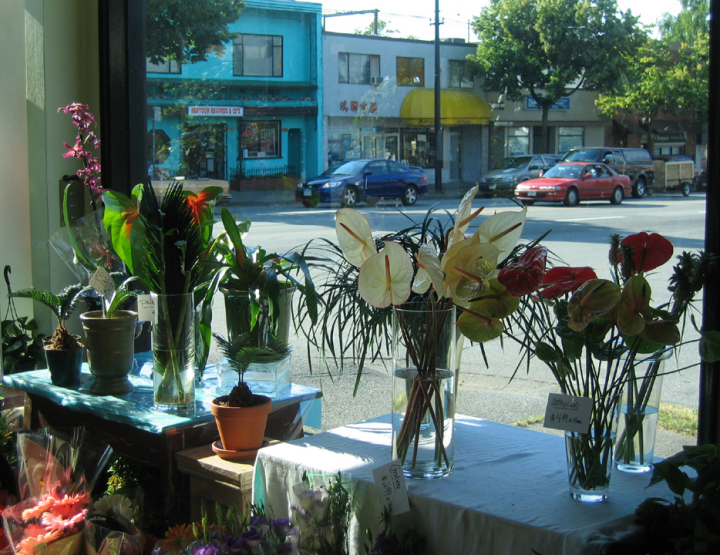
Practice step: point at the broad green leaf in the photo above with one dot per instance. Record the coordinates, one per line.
(547, 353)
(660, 331)
(123, 224)
(495, 301)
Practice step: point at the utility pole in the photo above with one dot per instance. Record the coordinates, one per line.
(438, 128)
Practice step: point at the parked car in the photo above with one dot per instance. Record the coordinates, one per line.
(633, 162)
(574, 182)
(513, 170)
(368, 179)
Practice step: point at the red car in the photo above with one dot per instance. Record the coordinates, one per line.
(573, 182)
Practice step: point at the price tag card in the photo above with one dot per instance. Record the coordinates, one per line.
(146, 309)
(103, 283)
(391, 488)
(568, 412)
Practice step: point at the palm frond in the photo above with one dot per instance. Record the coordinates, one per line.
(47, 298)
(121, 295)
(240, 354)
(69, 298)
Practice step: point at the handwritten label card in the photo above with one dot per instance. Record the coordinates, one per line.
(146, 309)
(103, 283)
(568, 412)
(392, 491)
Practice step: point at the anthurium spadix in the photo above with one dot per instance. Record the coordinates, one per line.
(385, 278)
(467, 266)
(502, 230)
(463, 217)
(354, 236)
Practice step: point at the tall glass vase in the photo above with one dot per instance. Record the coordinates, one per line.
(589, 460)
(174, 353)
(424, 388)
(638, 414)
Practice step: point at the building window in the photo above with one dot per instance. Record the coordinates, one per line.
(411, 72)
(518, 141)
(570, 137)
(460, 77)
(258, 56)
(163, 67)
(357, 69)
(260, 139)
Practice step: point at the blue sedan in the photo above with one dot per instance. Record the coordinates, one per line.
(368, 180)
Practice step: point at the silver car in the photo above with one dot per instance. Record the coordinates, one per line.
(513, 170)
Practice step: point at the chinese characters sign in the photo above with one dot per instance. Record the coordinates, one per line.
(362, 107)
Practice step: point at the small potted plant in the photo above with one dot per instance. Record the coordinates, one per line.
(21, 349)
(110, 337)
(241, 416)
(63, 350)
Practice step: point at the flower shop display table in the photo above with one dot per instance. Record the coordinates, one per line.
(131, 425)
(508, 493)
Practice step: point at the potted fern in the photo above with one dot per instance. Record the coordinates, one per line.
(241, 416)
(63, 350)
(110, 338)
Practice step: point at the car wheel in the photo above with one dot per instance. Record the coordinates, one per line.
(372, 201)
(310, 203)
(640, 189)
(572, 198)
(528, 202)
(349, 197)
(617, 196)
(686, 189)
(410, 195)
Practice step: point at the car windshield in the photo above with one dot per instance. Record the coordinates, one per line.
(570, 171)
(583, 155)
(348, 168)
(513, 162)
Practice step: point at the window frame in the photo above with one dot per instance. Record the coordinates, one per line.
(411, 75)
(256, 124)
(177, 70)
(348, 65)
(462, 74)
(277, 66)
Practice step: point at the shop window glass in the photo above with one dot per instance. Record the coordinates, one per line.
(570, 137)
(460, 77)
(518, 141)
(411, 72)
(357, 69)
(258, 56)
(260, 139)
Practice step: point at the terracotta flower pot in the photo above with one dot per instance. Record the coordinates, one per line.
(241, 428)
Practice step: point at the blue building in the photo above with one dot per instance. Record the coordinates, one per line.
(252, 108)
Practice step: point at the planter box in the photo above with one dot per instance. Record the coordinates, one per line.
(272, 184)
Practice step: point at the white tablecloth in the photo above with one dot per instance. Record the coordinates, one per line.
(507, 495)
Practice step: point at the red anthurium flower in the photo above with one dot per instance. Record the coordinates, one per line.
(649, 250)
(563, 279)
(198, 203)
(524, 276)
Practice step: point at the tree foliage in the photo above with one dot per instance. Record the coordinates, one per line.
(552, 48)
(692, 22)
(382, 30)
(186, 30)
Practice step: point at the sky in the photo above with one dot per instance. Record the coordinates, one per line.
(413, 17)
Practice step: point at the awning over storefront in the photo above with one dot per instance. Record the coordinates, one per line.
(457, 107)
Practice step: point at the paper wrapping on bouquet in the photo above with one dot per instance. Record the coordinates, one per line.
(72, 545)
(113, 524)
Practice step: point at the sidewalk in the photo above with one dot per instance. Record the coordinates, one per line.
(452, 190)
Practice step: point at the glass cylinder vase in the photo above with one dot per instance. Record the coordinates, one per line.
(589, 461)
(637, 415)
(423, 389)
(174, 353)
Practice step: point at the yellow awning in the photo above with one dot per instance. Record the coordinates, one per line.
(457, 107)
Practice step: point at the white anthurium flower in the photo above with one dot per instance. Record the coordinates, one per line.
(502, 230)
(354, 236)
(468, 270)
(386, 277)
(463, 217)
(429, 272)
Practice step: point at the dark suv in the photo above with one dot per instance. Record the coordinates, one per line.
(633, 162)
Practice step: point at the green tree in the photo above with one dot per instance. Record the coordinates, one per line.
(692, 22)
(552, 48)
(382, 30)
(187, 30)
(661, 80)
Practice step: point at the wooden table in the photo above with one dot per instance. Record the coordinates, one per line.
(133, 428)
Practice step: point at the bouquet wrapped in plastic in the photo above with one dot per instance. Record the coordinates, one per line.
(55, 478)
(113, 524)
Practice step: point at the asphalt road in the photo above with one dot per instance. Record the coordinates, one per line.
(579, 237)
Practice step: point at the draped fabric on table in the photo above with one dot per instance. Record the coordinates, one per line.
(507, 495)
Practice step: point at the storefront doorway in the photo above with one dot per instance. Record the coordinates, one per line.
(203, 151)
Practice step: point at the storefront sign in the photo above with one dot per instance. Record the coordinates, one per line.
(669, 137)
(233, 111)
(355, 106)
(562, 104)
